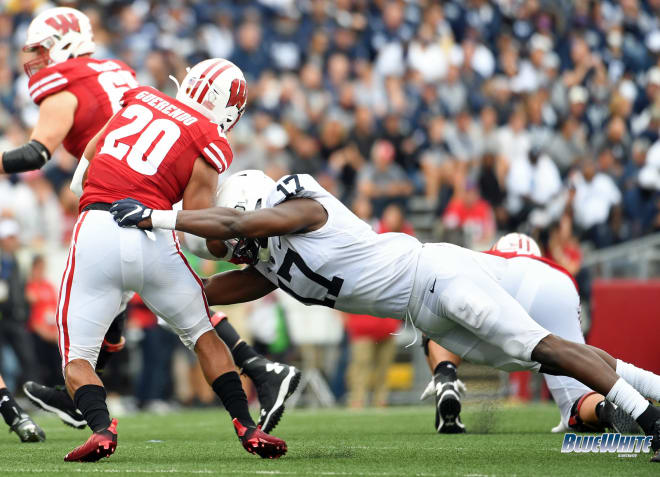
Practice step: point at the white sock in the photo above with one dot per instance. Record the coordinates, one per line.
(627, 398)
(647, 383)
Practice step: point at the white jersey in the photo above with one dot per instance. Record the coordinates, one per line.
(344, 264)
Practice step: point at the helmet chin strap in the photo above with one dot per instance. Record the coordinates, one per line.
(176, 82)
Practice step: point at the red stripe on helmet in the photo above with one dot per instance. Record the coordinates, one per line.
(204, 73)
(211, 80)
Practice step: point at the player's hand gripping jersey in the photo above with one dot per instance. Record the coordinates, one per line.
(98, 86)
(149, 148)
(344, 264)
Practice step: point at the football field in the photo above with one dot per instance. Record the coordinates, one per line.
(397, 441)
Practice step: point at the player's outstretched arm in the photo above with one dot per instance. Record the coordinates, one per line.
(237, 286)
(292, 216)
(56, 114)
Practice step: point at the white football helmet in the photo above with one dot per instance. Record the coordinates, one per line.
(58, 34)
(217, 89)
(519, 244)
(245, 190)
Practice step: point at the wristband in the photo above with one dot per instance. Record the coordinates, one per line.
(164, 219)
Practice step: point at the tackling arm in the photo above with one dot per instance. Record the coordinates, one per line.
(56, 114)
(292, 216)
(237, 286)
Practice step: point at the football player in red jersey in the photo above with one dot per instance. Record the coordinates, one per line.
(77, 95)
(581, 409)
(160, 150)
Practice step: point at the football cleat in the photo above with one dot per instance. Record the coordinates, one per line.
(57, 401)
(274, 386)
(27, 429)
(613, 417)
(255, 441)
(99, 445)
(448, 407)
(655, 442)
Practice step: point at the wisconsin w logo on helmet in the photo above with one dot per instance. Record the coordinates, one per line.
(217, 89)
(238, 93)
(64, 23)
(57, 35)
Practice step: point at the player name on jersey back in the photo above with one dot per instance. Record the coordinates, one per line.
(166, 107)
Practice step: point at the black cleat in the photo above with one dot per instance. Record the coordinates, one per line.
(55, 400)
(27, 429)
(274, 386)
(448, 407)
(655, 442)
(613, 417)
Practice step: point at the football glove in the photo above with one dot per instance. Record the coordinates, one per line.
(129, 212)
(245, 251)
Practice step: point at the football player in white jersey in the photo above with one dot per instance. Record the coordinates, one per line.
(581, 409)
(318, 251)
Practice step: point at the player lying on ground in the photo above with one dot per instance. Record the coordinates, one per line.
(17, 419)
(162, 150)
(581, 409)
(321, 253)
(77, 95)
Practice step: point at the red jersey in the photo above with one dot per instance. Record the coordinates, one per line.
(547, 261)
(148, 151)
(97, 84)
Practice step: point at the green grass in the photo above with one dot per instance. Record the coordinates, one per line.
(390, 442)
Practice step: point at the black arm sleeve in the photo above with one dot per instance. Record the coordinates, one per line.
(28, 157)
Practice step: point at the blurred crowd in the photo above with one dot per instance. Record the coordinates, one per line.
(487, 116)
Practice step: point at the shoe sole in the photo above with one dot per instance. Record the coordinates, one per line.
(105, 449)
(448, 411)
(66, 419)
(287, 388)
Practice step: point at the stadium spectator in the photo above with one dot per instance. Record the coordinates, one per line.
(382, 180)
(14, 308)
(532, 183)
(595, 201)
(472, 217)
(42, 297)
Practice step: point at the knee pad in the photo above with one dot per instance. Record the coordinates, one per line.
(576, 423)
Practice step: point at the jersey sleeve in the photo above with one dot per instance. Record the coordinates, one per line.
(214, 148)
(48, 81)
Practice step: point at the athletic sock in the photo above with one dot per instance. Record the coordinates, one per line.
(227, 333)
(632, 402)
(90, 401)
(9, 408)
(647, 383)
(242, 352)
(230, 391)
(446, 370)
